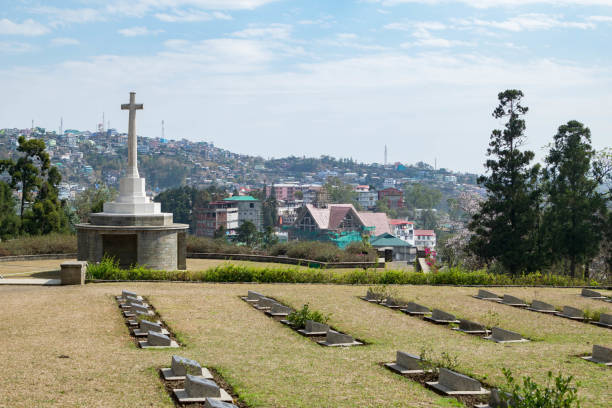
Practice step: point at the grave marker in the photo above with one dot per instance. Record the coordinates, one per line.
(147, 326)
(198, 389)
(601, 355)
(513, 301)
(253, 296)
(264, 303)
(406, 363)
(279, 310)
(181, 366)
(605, 320)
(452, 383)
(499, 335)
(157, 340)
(570, 312)
(470, 327)
(415, 309)
(440, 317)
(486, 295)
(313, 328)
(392, 303)
(335, 339)
(592, 294)
(371, 296)
(542, 307)
(495, 400)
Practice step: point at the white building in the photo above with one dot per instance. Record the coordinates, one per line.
(425, 239)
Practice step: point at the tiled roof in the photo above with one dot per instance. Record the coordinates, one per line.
(378, 220)
(424, 233)
(400, 222)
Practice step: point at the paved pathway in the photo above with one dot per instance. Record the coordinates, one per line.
(31, 281)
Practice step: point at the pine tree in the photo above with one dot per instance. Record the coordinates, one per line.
(506, 225)
(576, 215)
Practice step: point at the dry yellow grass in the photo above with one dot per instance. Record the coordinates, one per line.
(268, 364)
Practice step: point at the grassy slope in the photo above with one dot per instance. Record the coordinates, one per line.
(267, 363)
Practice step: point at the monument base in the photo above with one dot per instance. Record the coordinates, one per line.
(160, 247)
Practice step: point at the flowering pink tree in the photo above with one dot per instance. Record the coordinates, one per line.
(454, 248)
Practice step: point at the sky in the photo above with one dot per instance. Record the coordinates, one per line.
(312, 77)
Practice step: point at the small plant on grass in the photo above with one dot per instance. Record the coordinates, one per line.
(299, 317)
(107, 268)
(557, 393)
(490, 319)
(593, 315)
(429, 361)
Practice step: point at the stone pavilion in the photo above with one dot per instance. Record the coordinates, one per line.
(133, 229)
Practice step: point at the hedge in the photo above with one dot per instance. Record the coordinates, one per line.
(107, 270)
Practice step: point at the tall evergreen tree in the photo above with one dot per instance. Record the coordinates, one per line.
(576, 215)
(9, 221)
(504, 227)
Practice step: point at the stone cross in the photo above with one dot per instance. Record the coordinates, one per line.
(132, 170)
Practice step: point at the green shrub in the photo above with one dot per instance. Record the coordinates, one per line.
(298, 318)
(557, 393)
(40, 244)
(229, 272)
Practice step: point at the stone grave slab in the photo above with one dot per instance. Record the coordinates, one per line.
(452, 383)
(313, 328)
(132, 322)
(469, 327)
(335, 339)
(513, 301)
(592, 294)
(253, 296)
(264, 303)
(570, 312)
(370, 297)
(392, 303)
(406, 363)
(215, 403)
(414, 309)
(499, 335)
(141, 310)
(600, 355)
(279, 310)
(487, 295)
(605, 320)
(440, 317)
(198, 389)
(541, 307)
(181, 366)
(126, 293)
(146, 326)
(157, 340)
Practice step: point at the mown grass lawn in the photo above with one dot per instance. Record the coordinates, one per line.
(268, 364)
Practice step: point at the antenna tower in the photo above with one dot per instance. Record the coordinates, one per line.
(61, 129)
(163, 130)
(385, 155)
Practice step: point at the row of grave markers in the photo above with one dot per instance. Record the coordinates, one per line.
(441, 317)
(135, 309)
(274, 308)
(568, 312)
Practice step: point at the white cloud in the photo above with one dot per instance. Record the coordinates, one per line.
(191, 15)
(273, 31)
(63, 16)
(346, 36)
(14, 47)
(601, 19)
(140, 8)
(61, 41)
(527, 22)
(137, 31)
(416, 25)
(28, 28)
(497, 3)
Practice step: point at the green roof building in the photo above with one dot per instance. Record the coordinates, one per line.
(249, 209)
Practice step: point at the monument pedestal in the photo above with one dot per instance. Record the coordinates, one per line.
(132, 229)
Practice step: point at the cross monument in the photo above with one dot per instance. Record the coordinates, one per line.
(132, 170)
